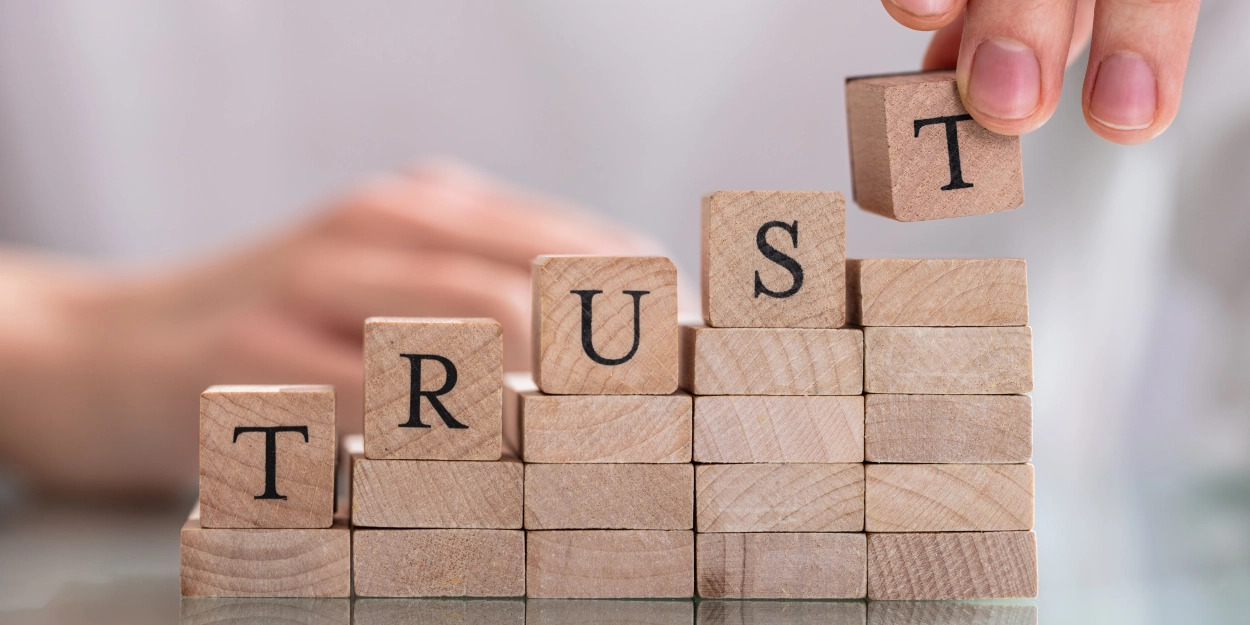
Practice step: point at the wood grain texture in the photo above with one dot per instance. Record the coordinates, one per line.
(607, 428)
(959, 565)
(948, 428)
(899, 170)
(948, 497)
(514, 384)
(746, 429)
(475, 348)
(779, 497)
(609, 496)
(265, 562)
(437, 493)
(938, 292)
(438, 562)
(609, 564)
(809, 227)
(614, 611)
(389, 611)
(739, 612)
(772, 361)
(563, 366)
(233, 462)
(948, 613)
(948, 361)
(257, 610)
(781, 566)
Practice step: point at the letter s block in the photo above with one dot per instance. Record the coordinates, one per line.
(774, 259)
(267, 457)
(605, 325)
(916, 154)
(433, 389)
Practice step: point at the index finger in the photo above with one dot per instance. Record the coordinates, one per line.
(924, 14)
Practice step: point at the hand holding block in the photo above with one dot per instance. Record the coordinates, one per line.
(948, 497)
(772, 361)
(609, 564)
(916, 154)
(267, 457)
(938, 292)
(781, 566)
(438, 563)
(605, 325)
(948, 361)
(745, 429)
(948, 428)
(774, 259)
(433, 389)
(779, 497)
(959, 565)
(609, 496)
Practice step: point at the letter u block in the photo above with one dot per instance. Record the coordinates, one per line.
(605, 325)
(774, 259)
(916, 154)
(433, 389)
(267, 457)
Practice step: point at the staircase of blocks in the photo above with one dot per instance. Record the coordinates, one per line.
(830, 429)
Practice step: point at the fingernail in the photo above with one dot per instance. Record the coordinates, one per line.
(923, 8)
(1124, 93)
(1006, 80)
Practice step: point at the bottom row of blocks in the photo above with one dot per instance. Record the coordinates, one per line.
(606, 564)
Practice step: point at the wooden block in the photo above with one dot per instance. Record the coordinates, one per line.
(746, 429)
(377, 611)
(514, 385)
(948, 428)
(772, 361)
(437, 493)
(609, 564)
(615, 611)
(257, 610)
(308, 562)
(948, 361)
(948, 612)
(740, 612)
(774, 259)
(938, 292)
(609, 496)
(948, 497)
(916, 154)
(267, 457)
(779, 497)
(781, 566)
(605, 325)
(433, 389)
(438, 562)
(959, 565)
(607, 428)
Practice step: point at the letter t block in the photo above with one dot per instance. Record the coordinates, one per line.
(774, 259)
(916, 154)
(433, 389)
(605, 325)
(267, 457)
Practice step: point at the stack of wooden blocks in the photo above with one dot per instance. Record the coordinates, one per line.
(843, 429)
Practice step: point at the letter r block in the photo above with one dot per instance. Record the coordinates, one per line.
(433, 389)
(605, 325)
(774, 259)
(267, 457)
(916, 154)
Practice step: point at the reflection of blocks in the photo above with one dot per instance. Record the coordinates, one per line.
(605, 325)
(591, 564)
(267, 457)
(916, 154)
(774, 259)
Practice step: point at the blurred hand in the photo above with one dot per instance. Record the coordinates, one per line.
(100, 375)
(1010, 56)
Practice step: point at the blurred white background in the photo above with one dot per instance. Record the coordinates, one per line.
(140, 132)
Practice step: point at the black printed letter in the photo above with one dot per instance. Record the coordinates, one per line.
(587, 338)
(415, 393)
(271, 454)
(952, 147)
(773, 254)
